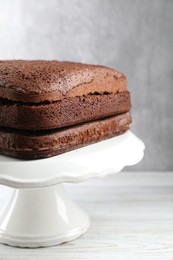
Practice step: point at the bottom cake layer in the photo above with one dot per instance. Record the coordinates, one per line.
(43, 144)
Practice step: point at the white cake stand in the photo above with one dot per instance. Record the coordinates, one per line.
(39, 212)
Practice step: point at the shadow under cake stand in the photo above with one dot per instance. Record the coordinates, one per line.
(39, 212)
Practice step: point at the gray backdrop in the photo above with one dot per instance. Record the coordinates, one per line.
(134, 36)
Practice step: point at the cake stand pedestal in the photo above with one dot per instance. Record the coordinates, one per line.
(39, 213)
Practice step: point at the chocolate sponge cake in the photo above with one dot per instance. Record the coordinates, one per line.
(45, 102)
(39, 95)
(29, 145)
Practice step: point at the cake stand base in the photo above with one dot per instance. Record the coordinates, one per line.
(41, 217)
(39, 212)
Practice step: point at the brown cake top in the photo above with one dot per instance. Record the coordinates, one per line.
(38, 81)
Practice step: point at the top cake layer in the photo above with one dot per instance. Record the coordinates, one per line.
(39, 81)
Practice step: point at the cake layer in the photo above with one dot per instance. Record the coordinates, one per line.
(66, 112)
(39, 81)
(43, 144)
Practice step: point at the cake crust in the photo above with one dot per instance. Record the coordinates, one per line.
(39, 81)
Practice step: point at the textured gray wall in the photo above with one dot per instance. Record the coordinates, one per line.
(134, 36)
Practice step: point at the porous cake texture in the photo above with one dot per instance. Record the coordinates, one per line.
(51, 107)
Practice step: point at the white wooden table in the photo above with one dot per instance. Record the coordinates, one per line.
(131, 218)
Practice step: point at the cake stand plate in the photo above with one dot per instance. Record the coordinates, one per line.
(39, 212)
